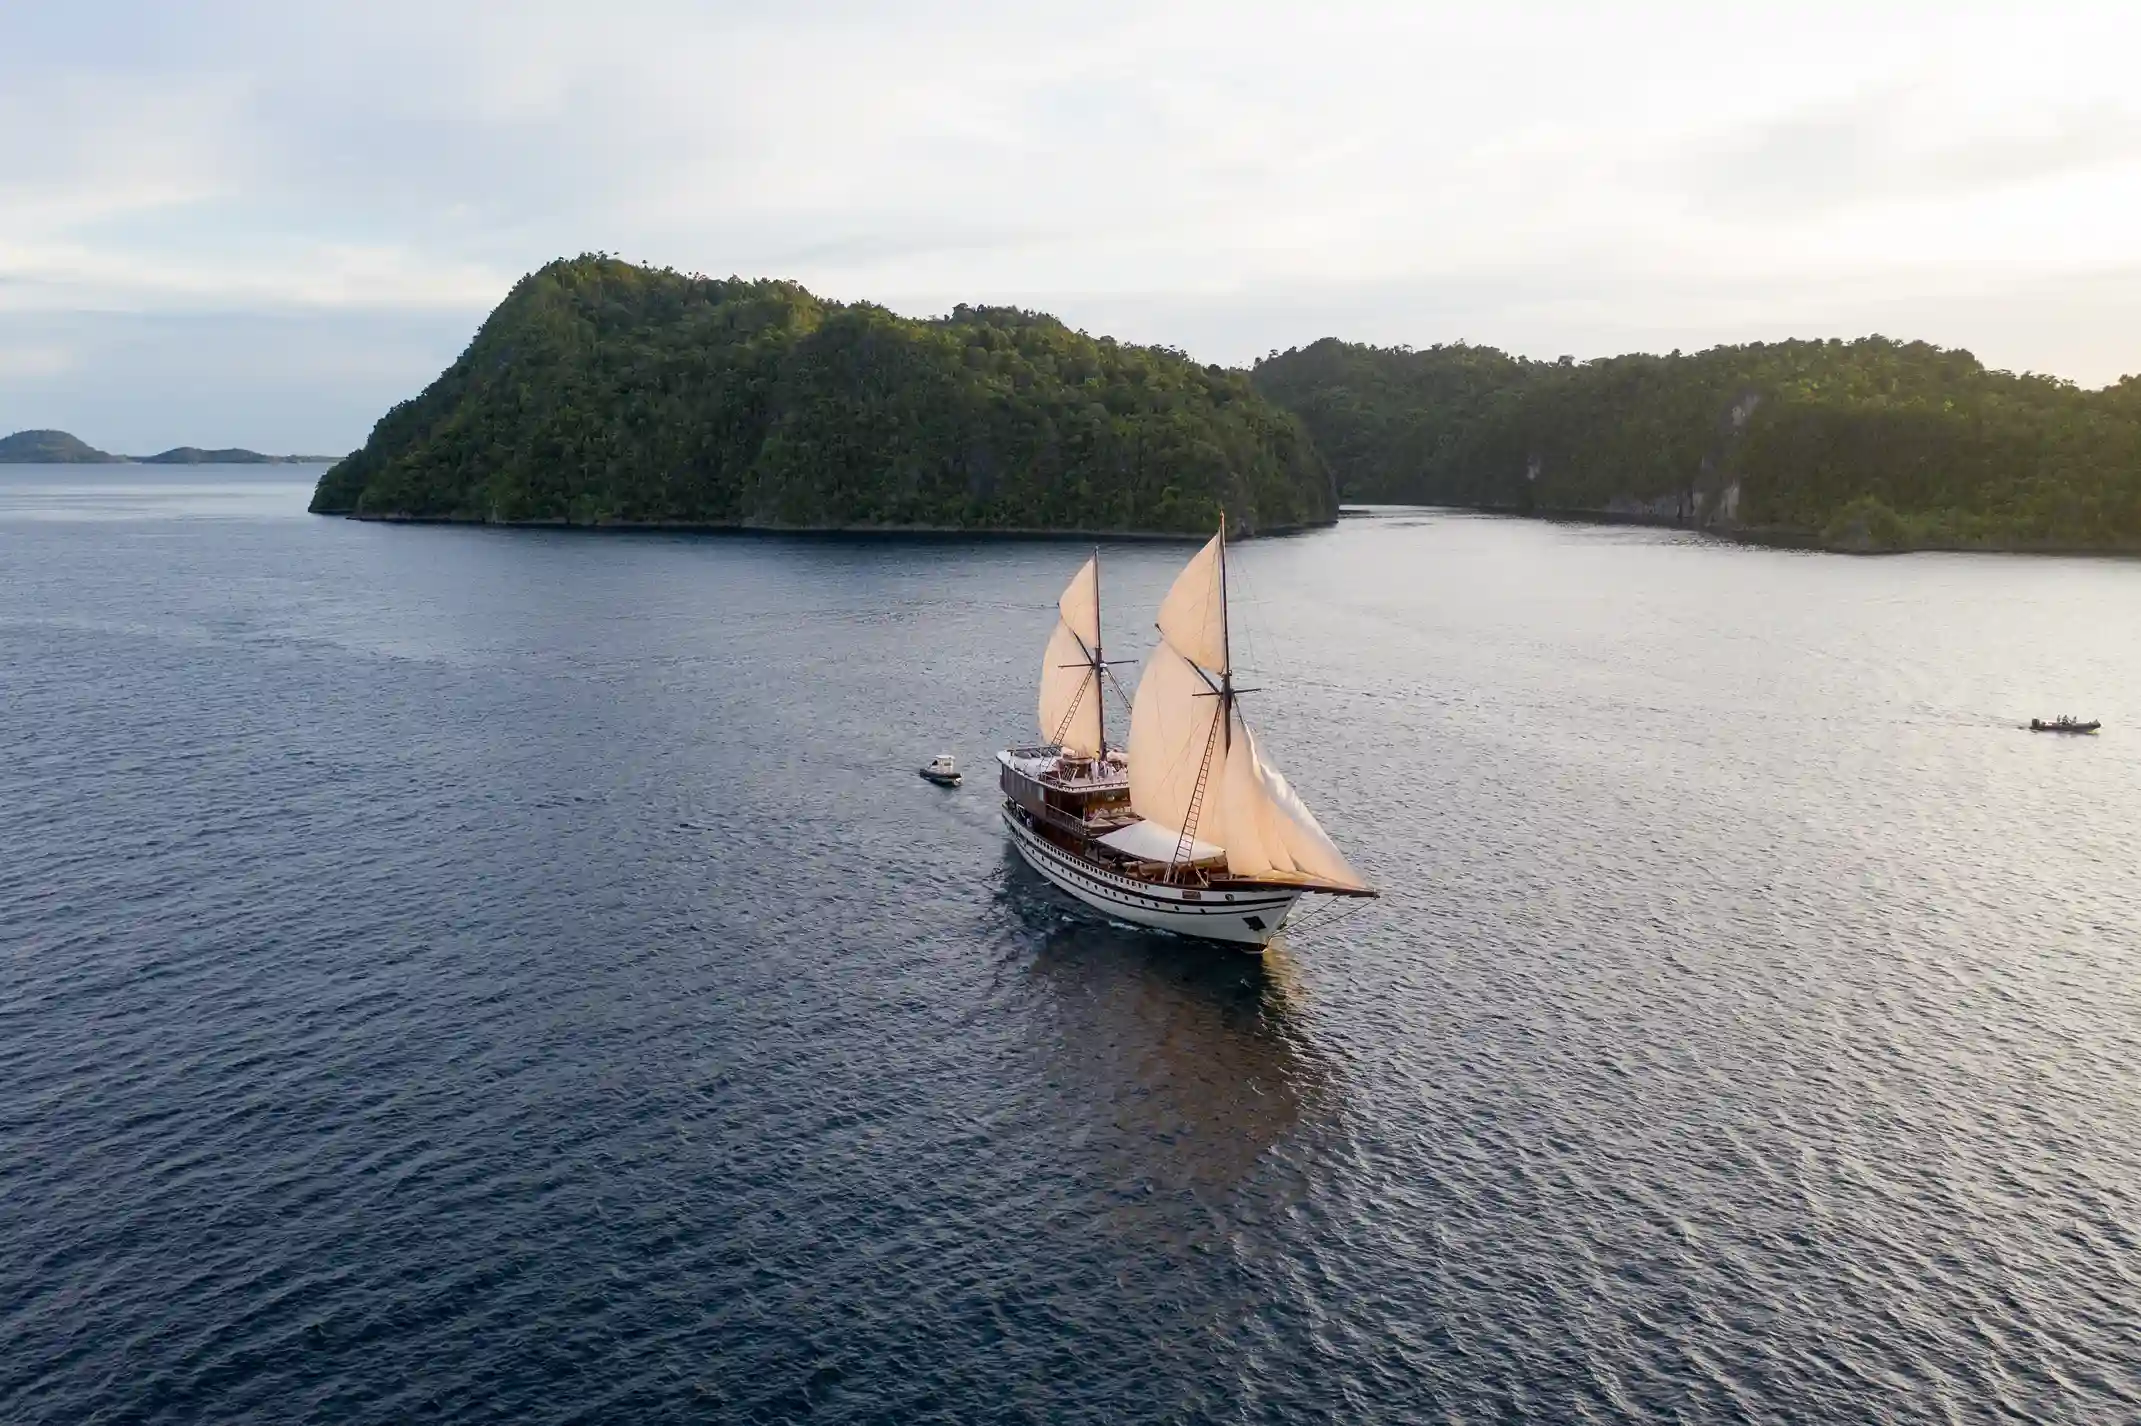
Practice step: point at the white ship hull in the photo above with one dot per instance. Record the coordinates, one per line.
(1242, 918)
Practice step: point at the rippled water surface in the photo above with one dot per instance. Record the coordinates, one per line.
(476, 975)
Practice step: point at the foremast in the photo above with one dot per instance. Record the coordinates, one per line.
(1074, 671)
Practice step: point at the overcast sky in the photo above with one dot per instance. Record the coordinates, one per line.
(263, 223)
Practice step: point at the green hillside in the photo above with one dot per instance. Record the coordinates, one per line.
(1860, 445)
(51, 448)
(603, 393)
(194, 455)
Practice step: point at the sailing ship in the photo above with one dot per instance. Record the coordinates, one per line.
(1186, 827)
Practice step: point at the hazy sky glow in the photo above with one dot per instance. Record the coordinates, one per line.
(263, 223)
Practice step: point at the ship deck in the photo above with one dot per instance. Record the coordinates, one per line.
(1077, 804)
(1048, 767)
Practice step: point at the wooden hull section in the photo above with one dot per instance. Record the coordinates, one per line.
(1244, 918)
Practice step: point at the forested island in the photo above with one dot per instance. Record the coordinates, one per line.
(1864, 445)
(52, 448)
(601, 393)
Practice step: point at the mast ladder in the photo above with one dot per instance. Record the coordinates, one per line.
(1196, 804)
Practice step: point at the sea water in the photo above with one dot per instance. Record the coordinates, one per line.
(508, 975)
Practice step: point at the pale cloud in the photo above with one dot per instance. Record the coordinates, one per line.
(1557, 177)
(100, 277)
(1881, 149)
(32, 360)
(97, 142)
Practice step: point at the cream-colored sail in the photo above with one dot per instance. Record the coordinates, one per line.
(1246, 806)
(1254, 846)
(1269, 832)
(1070, 690)
(1080, 604)
(1193, 616)
(1170, 727)
(1070, 695)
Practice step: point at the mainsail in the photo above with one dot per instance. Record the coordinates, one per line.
(1194, 766)
(1172, 722)
(1193, 616)
(1070, 711)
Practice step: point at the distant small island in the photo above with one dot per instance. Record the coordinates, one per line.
(59, 448)
(52, 448)
(605, 394)
(194, 455)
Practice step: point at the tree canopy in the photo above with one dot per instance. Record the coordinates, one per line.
(600, 392)
(1866, 444)
(51, 448)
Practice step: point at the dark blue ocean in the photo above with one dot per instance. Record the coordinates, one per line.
(471, 975)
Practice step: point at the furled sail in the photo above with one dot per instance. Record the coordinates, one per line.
(1070, 688)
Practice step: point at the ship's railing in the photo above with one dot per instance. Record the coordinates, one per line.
(1051, 804)
(1048, 815)
(1078, 777)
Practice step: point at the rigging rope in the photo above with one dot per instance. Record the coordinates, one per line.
(1072, 711)
(1323, 919)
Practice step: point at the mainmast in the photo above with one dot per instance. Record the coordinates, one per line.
(1182, 753)
(1100, 663)
(1226, 647)
(1220, 740)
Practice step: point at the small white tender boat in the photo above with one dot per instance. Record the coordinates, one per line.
(943, 770)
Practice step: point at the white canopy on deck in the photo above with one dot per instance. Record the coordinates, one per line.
(1150, 842)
